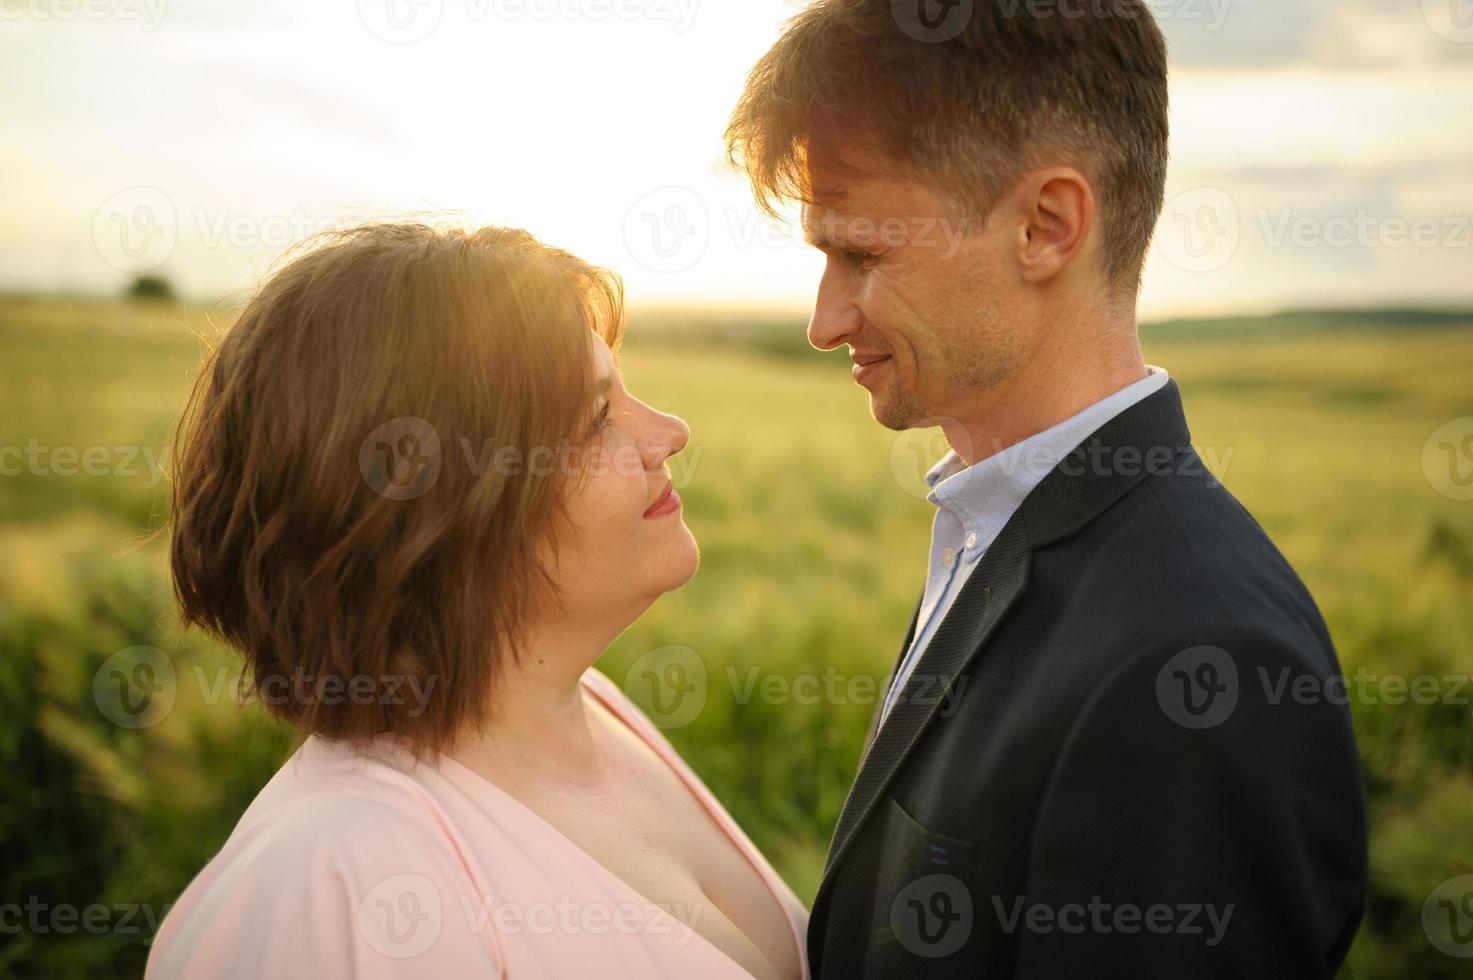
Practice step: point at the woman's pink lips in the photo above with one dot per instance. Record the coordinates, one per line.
(667, 503)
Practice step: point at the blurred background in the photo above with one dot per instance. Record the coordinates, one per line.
(1310, 288)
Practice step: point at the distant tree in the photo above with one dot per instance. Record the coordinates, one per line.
(150, 287)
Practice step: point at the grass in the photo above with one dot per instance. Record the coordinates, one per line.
(813, 550)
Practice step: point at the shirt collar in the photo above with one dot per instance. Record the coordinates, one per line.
(984, 496)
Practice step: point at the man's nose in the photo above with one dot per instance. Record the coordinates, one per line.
(835, 315)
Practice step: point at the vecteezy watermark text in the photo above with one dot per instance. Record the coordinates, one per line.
(1201, 687)
(404, 915)
(1104, 918)
(403, 458)
(36, 459)
(39, 917)
(148, 13)
(137, 688)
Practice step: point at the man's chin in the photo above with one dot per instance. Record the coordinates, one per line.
(893, 410)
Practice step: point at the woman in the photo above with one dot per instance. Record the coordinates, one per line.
(414, 492)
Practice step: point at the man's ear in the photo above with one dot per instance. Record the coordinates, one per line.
(1057, 212)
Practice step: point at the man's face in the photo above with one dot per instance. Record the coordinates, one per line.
(927, 307)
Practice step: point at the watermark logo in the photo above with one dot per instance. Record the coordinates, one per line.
(668, 230)
(912, 455)
(932, 21)
(137, 687)
(915, 451)
(401, 21)
(670, 683)
(136, 229)
(1447, 917)
(400, 917)
(134, 688)
(1451, 20)
(932, 916)
(1447, 459)
(1200, 230)
(1198, 688)
(401, 459)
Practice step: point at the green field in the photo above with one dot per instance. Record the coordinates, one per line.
(813, 551)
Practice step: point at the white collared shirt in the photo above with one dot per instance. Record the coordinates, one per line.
(973, 503)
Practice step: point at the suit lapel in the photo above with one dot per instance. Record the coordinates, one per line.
(874, 721)
(995, 584)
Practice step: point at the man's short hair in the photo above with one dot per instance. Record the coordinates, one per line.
(967, 102)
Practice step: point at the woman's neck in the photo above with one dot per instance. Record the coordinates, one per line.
(537, 719)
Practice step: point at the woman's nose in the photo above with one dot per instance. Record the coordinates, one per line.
(668, 435)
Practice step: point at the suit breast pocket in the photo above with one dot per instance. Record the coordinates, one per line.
(926, 909)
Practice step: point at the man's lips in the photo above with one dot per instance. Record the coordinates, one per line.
(865, 365)
(667, 502)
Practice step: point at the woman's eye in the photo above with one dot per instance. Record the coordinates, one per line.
(858, 259)
(601, 422)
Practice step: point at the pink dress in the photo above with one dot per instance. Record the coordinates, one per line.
(346, 866)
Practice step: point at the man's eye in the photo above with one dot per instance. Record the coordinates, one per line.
(858, 259)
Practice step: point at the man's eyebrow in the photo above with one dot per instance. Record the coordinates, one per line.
(824, 202)
(822, 241)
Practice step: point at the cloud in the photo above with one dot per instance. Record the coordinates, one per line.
(1345, 34)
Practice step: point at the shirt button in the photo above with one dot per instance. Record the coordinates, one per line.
(948, 557)
(972, 540)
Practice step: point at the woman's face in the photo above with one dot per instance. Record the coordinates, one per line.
(628, 542)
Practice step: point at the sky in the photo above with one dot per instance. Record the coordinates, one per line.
(1321, 152)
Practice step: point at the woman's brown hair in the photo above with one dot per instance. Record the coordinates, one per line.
(353, 507)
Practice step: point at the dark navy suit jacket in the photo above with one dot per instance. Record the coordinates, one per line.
(1123, 753)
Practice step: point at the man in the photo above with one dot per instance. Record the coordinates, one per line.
(1140, 768)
